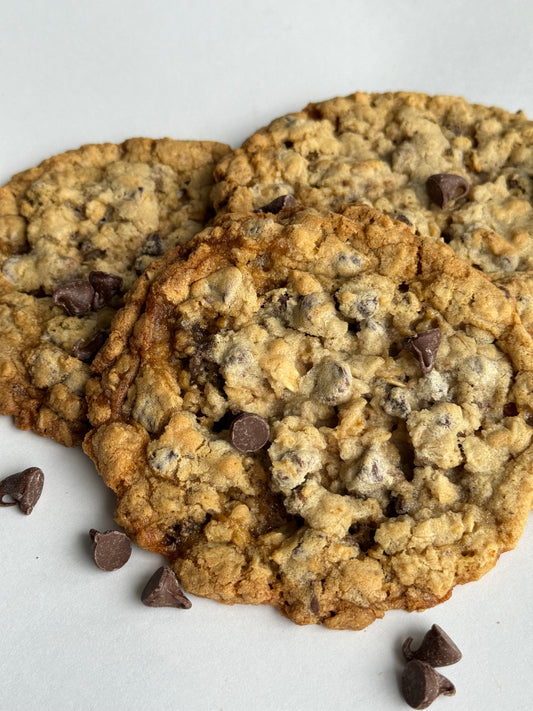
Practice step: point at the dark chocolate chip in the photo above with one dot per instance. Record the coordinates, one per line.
(163, 590)
(421, 685)
(510, 409)
(111, 550)
(278, 204)
(436, 649)
(404, 219)
(86, 348)
(442, 188)
(425, 346)
(76, 297)
(153, 246)
(24, 488)
(105, 287)
(397, 506)
(249, 432)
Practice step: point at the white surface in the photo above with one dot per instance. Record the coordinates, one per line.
(73, 637)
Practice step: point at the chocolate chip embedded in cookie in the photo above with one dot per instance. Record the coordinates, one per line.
(75, 233)
(450, 169)
(384, 392)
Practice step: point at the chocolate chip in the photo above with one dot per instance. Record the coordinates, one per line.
(86, 348)
(425, 346)
(436, 649)
(404, 219)
(510, 409)
(278, 204)
(111, 550)
(249, 432)
(421, 685)
(163, 590)
(153, 246)
(24, 488)
(442, 188)
(105, 287)
(76, 297)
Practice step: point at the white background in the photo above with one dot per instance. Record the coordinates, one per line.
(73, 637)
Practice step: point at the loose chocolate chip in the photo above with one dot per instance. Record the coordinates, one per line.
(76, 297)
(249, 432)
(163, 590)
(111, 550)
(86, 348)
(24, 488)
(425, 346)
(421, 685)
(442, 188)
(278, 204)
(105, 286)
(436, 649)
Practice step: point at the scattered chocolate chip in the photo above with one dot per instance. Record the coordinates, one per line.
(249, 432)
(112, 549)
(24, 488)
(278, 204)
(436, 649)
(76, 297)
(425, 346)
(163, 590)
(442, 188)
(86, 348)
(421, 684)
(105, 287)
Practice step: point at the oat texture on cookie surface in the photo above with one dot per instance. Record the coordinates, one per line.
(75, 232)
(318, 411)
(453, 170)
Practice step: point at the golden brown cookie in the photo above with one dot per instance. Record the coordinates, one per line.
(75, 232)
(320, 412)
(452, 170)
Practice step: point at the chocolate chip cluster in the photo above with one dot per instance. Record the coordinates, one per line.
(421, 684)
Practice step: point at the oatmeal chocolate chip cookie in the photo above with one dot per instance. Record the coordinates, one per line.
(321, 412)
(451, 170)
(75, 232)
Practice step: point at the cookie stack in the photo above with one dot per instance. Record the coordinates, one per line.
(305, 366)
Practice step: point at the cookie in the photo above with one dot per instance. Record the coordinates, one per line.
(75, 232)
(452, 170)
(320, 412)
